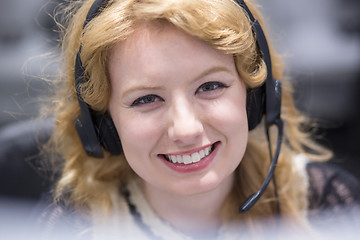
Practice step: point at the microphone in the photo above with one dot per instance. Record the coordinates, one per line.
(253, 198)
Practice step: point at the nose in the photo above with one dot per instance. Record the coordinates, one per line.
(185, 126)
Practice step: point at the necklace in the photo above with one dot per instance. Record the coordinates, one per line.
(137, 216)
(150, 224)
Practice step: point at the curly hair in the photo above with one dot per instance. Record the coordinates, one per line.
(225, 26)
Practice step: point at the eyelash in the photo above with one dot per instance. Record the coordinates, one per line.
(206, 87)
(147, 99)
(211, 86)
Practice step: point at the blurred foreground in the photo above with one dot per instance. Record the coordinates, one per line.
(17, 223)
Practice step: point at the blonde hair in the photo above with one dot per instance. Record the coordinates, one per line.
(224, 25)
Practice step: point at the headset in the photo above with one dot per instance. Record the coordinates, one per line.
(96, 130)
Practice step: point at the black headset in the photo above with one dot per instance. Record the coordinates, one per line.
(97, 130)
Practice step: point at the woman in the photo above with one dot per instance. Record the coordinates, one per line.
(167, 86)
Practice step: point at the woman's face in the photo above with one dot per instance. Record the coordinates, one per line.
(179, 108)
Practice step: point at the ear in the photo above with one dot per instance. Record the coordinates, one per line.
(107, 133)
(255, 106)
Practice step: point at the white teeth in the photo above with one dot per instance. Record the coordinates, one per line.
(207, 151)
(179, 159)
(195, 157)
(187, 159)
(173, 158)
(202, 154)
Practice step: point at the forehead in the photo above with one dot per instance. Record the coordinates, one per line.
(157, 37)
(150, 40)
(156, 51)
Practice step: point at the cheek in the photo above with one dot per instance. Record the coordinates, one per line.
(230, 120)
(137, 133)
(230, 113)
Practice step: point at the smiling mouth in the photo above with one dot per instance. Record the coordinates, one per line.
(190, 158)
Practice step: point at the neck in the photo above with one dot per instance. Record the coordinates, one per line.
(194, 214)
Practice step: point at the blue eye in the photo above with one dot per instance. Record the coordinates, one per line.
(148, 99)
(211, 86)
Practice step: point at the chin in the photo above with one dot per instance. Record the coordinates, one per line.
(207, 183)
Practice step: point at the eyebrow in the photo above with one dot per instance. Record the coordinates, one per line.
(212, 70)
(147, 86)
(140, 87)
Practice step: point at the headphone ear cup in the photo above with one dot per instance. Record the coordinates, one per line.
(255, 106)
(107, 133)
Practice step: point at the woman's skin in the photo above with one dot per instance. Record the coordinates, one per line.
(176, 98)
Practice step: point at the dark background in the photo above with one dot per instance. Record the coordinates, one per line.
(320, 42)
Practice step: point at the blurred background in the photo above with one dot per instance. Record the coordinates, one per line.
(320, 42)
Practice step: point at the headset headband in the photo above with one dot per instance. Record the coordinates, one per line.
(97, 130)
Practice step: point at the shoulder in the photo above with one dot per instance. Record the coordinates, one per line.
(331, 185)
(334, 195)
(63, 219)
(60, 219)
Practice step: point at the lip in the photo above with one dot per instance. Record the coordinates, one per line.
(192, 167)
(191, 151)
